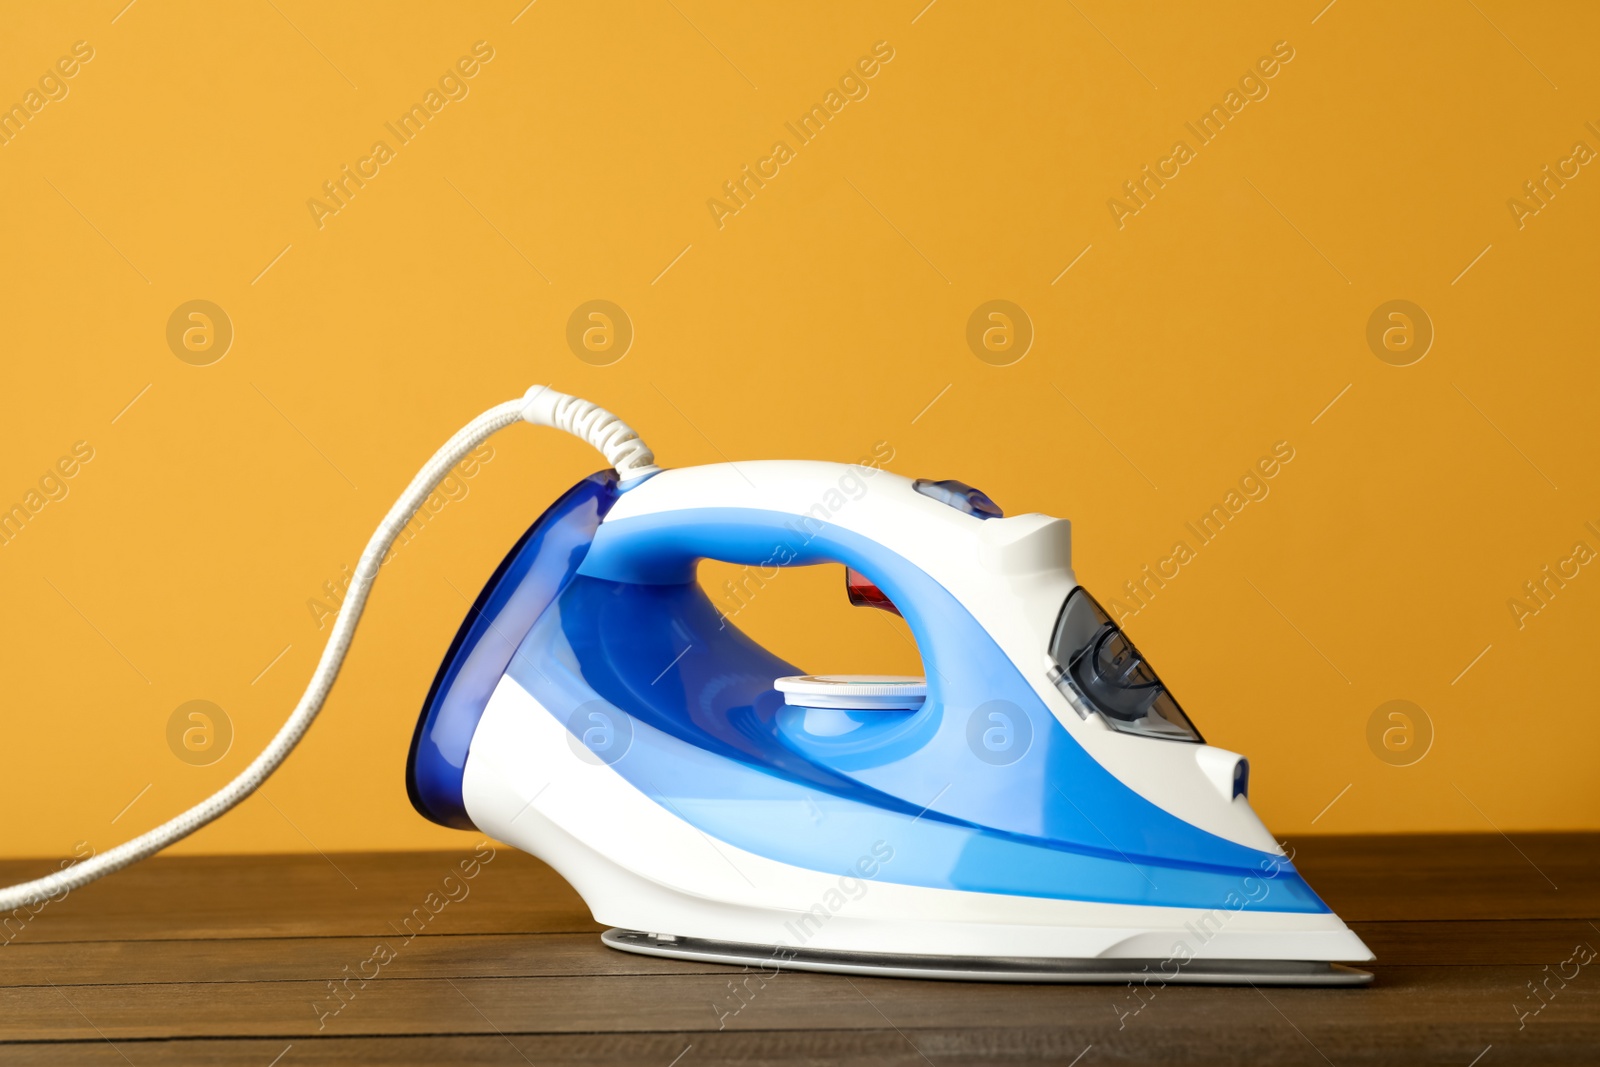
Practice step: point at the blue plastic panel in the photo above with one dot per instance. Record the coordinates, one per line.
(543, 560)
(710, 740)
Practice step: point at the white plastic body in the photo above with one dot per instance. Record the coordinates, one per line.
(639, 866)
(1012, 574)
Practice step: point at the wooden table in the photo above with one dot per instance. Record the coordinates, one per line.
(234, 960)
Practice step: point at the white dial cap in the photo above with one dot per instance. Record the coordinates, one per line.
(859, 692)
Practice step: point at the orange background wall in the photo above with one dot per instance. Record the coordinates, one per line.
(1172, 347)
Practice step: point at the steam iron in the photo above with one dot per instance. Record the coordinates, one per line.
(1038, 809)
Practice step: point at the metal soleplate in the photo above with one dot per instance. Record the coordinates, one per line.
(989, 968)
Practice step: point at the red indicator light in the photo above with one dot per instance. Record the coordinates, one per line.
(864, 594)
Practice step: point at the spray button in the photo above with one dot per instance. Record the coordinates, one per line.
(961, 496)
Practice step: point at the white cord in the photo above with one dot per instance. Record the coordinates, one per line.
(542, 406)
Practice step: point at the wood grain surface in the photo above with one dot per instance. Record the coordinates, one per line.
(249, 960)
